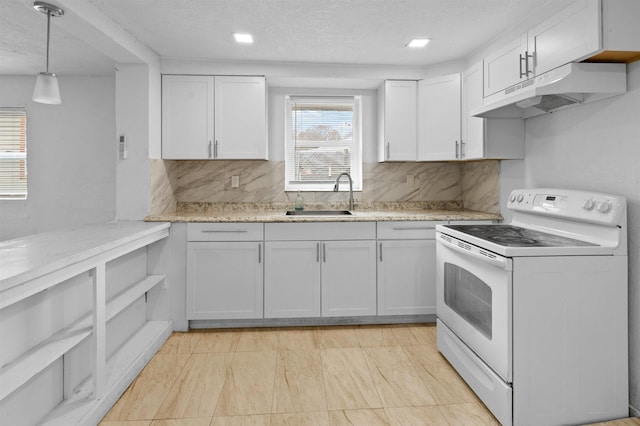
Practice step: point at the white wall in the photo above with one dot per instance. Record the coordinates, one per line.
(132, 121)
(595, 147)
(71, 156)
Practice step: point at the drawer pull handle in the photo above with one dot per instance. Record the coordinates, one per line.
(212, 231)
(412, 229)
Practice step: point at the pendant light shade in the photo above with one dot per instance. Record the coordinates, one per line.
(47, 90)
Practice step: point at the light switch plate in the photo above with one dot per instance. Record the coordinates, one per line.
(235, 181)
(122, 147)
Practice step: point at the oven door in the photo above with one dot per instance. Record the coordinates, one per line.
(474, 300)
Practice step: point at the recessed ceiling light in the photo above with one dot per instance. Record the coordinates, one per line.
(243, 38)
(418, 42)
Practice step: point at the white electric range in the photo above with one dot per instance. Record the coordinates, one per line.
(533, 314)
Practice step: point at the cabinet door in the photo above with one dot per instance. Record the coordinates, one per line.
(292, 279)
(568, 36)
(399, 136)
(407, 277)
(187, 117)
(224, 280)
(472, 127)
(240, 118)
(348, 278)
(505, 67)
(439, 118)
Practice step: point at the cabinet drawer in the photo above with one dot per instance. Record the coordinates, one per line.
(411, 230)
(471, 222)
(326, 231)
(225, 231)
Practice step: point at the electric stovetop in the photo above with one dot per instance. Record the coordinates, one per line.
(515, 236)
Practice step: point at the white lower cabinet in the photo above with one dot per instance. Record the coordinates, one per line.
(406, 277)
(406, 268)
(320, 269)
(310, 270)
(224, 280)
(348, 278)
(292, 279)
(224, 272)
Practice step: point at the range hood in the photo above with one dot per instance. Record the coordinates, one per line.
(570, 84)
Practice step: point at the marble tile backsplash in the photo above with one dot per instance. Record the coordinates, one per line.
(481, 185)
(164, 185)
(474, 184)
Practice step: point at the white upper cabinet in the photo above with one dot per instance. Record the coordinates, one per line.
(187, 117)
(397, 110)
(568, 36)
(439, 136)
(473, 127)
(446, 129)
(240, 118)
(620, 32)
(207, 117)
(497, 138)
(505, 66)
(591, 30)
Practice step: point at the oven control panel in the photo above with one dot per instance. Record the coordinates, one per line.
(585, 206)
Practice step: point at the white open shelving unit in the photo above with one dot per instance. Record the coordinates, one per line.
(34, 265)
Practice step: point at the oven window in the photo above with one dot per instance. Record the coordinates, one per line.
(469, 297)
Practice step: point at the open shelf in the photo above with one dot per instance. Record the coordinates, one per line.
(21, 370)
(122, 367)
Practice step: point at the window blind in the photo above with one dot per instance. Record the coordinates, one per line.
(323, 140)
(13, 153)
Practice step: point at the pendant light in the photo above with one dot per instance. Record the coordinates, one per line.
(46, 90)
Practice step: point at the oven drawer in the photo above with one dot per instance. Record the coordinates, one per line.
(494, 393)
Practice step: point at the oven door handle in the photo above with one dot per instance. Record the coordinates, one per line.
(476, 253)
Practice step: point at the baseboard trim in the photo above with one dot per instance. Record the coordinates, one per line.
(308, 322)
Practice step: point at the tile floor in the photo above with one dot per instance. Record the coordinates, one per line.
(348, 375)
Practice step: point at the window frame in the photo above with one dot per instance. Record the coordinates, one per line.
(355, 164)
(10, 187)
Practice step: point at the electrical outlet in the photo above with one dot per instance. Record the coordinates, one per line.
(235, 181)
(411, 180)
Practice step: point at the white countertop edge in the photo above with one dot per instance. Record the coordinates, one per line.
(23, 259)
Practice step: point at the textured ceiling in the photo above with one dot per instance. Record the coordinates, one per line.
(315, 31)
(23, 38)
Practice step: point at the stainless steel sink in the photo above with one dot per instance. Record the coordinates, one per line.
(318, 213)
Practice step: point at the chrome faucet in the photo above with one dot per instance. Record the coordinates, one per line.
(337, 186)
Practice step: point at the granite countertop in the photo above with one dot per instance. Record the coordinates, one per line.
(275, 212)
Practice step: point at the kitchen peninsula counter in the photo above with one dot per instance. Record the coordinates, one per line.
(34, 256)
(99, 300)
(271, 213)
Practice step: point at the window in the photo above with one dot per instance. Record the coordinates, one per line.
(13, 154)
(322, 140)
